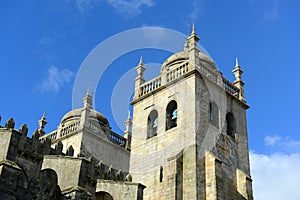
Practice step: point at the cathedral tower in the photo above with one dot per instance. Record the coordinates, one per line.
(189, 136)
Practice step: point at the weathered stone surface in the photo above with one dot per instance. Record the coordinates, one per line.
(188, 140)
(10, 123)
(119, 190)
(211, 144)
(24, 129)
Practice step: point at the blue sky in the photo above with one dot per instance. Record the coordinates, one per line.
(43, 44)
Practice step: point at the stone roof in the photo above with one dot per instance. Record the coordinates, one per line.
(183, 56)
(74, 115)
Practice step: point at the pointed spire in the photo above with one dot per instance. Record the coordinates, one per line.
(128, 122)
(88, 100)
(140, 68)
(87, 107)
(127, 132)
(44, 116)
(128, 117)
(42, 122)
(236, 62)
(139, 80)
(88, 92)
(237, 71)
(193, 29)
(141, 60)
(193, 39)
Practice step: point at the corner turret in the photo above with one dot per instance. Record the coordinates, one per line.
(237, 71)
(42, 122)
(139, 80)
(127, 132)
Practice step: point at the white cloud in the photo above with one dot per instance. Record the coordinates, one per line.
(128, 7)
(291, 143)
(272, 140)
(85, 5)
(272, 15)
(55, 79)
(275, 176)
(131, 7)
(284, 144)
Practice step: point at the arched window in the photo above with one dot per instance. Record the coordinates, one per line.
(171, 115)
(22, 181)
(103, 196)
(214, 114)
(48, 184)
(70, 151)
(230, 125)
(152, 124)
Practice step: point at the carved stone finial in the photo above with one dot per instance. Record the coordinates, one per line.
(139, 80)
(120, 176)
(10, 123)
(128, 178)
(42, 123)
(237, 71)
(140, 68)
(110, 173)
(127, 132)
(191, 43)
(88, 100)
(93, 161)
(101, 163)
(24, 129)
(36, 135)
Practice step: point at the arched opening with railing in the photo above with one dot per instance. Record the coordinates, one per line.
(171, 115)
(152, 124)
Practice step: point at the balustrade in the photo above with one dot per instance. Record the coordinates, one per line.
(116, 139)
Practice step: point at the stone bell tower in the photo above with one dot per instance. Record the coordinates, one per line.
(189, 135)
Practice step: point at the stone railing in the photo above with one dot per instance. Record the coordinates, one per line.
(52, 136)
(95, 127)
(116, 139)
(69, 129)
(157, 82)
(177, 72)
(210, 74)
(229, 87)
(150, 86)
(181, 70)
